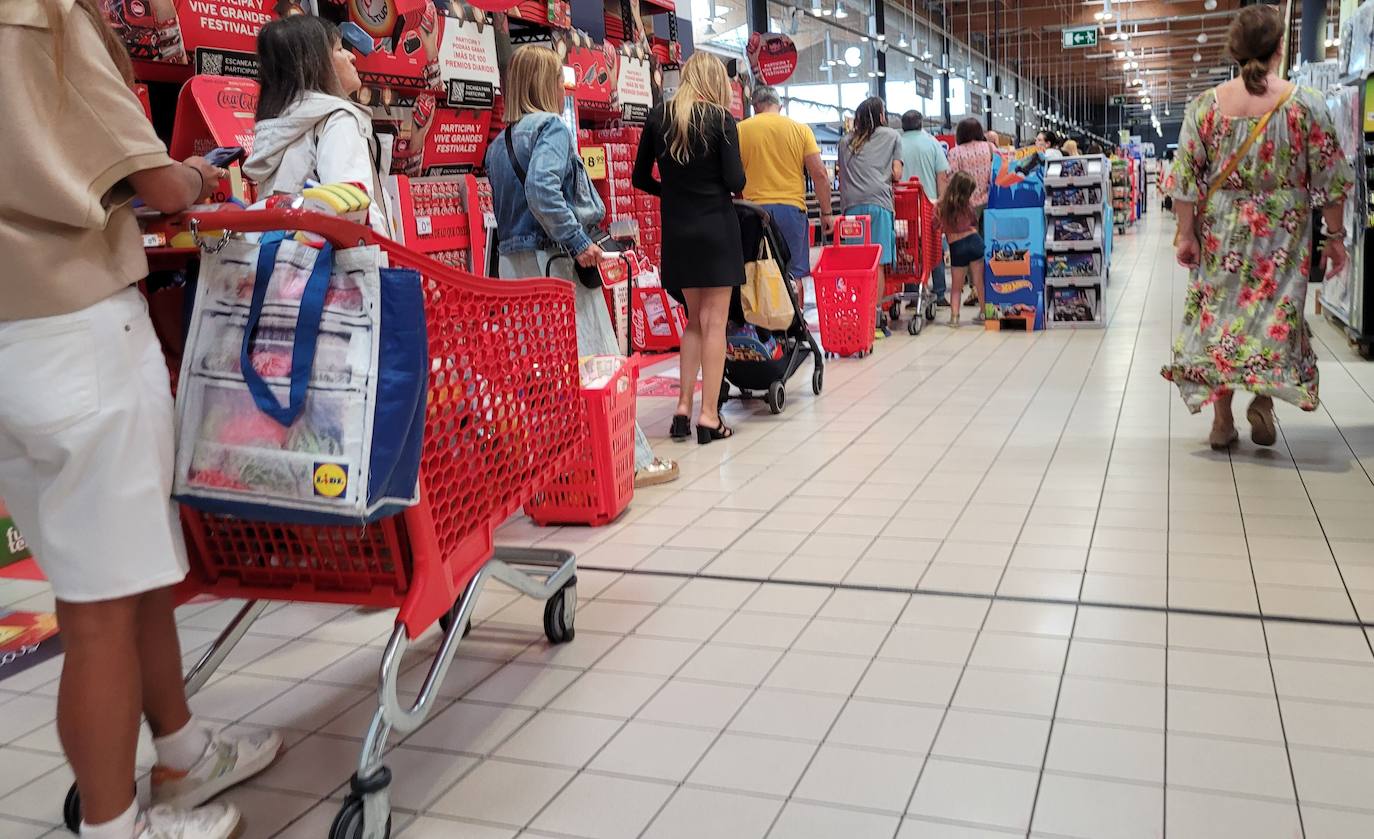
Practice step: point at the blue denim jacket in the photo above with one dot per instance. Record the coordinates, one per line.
(557, 204)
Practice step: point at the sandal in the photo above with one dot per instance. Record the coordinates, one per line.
(681, 428)
(720, 432)
(1263, 430)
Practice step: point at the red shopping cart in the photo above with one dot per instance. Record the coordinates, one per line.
(503, 387)
(918, 250)
(598, 486)
(846, 280)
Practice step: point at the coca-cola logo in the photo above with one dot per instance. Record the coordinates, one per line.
(237, 99)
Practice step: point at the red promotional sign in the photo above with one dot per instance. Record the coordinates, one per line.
(406, 43)
(594, 65)
(214, 111)
(772, 57)
(737, 100)
(222, 34)
(457, 139)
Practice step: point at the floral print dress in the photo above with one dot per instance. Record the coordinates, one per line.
(1243, 325)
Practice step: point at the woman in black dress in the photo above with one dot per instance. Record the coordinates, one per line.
(694, 141)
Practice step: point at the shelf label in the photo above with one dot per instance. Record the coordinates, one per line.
(594, 159)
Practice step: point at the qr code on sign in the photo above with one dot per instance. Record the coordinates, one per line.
(211, 63)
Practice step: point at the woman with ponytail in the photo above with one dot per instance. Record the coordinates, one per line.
(1256, 156)
(86, 435)
(694, 142)
(870, 162)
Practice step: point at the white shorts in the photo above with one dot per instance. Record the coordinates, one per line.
(87, 449)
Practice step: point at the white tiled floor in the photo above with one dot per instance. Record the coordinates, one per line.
(986, 586)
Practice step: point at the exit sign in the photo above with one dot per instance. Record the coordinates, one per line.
(1084, 37)
(1118, 100)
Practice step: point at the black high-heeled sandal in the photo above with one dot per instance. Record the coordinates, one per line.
(681, 428)
(706, 435)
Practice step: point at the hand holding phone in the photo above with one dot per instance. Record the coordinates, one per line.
(225, 155)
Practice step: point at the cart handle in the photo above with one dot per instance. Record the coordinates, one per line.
(844, 228)
(342, 233)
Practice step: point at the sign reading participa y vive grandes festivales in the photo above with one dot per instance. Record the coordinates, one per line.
(772, 57)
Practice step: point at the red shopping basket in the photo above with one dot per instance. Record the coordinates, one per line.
(601, 482)
(846, 278)
(503, 386)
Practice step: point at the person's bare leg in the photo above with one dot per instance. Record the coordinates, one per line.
(956, 293)
(715, 309)
(976, 278)
(99, 702)
(689, 354)
(1223, 422)
(159, 654)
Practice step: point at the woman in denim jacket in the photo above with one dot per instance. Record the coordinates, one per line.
(551, 214)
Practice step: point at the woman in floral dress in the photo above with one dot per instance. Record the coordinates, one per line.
(1249, 255)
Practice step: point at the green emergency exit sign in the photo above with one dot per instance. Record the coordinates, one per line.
(1084, 37)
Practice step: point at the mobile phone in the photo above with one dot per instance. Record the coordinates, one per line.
(225, 155)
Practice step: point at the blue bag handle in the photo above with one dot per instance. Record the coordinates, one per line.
(307, 330)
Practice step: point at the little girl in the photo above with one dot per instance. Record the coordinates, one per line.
(956, 215)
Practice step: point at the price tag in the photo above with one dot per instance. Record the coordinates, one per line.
(594, 159)
(423, 226)
(154, 240)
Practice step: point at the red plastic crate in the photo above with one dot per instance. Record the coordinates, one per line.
(599, 485)
(846, 279)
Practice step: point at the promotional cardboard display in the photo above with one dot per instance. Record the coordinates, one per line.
(634, 94)
(467, 63)
(594, 66)
(406, 35)
(214, 111)
(772, 57)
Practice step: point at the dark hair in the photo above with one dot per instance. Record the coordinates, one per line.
(913, 121)
(868, 117)
(1254, 37)
(1051, 138)
(955, 200)
(295, 58)
(969, 130)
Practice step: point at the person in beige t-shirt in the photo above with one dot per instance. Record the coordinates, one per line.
(86, 431)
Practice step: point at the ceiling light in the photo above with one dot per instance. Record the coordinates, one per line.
(1202, 37)
(1197, 56)
(880, 36)
(1193, 74)
(853, 74)
(1139, 81)
(1099, 16)
(902, 41)
(1147, 106)
(853, 56)
(911, 59)
(1210, 5)
(1130, 53)
(826, 12)
(840, 12)
(872, 75)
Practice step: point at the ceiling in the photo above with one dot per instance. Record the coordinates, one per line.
(1176, 47)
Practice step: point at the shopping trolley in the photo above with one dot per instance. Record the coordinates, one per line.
(503, 388)
(918, 250)
(846, 280)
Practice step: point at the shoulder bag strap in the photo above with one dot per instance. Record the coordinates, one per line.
(1255, 133)
(510, 150)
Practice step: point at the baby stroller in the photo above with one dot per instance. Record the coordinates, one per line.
(757, 360)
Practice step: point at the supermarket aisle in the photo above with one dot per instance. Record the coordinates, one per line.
(987, 586)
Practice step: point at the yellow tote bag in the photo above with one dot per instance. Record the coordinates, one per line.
(764, 295)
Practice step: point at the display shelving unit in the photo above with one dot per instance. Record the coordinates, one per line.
(1078, 222)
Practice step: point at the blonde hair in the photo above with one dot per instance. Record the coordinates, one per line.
(705, 83)
(57, 23)
(1070, 148)
(534, 82)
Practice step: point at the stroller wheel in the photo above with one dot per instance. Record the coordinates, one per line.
(817, 380)
(776, 398)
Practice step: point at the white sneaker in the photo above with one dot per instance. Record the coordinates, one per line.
(213, 821)
(228, 761)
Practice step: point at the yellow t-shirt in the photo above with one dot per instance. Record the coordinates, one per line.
(774, 148)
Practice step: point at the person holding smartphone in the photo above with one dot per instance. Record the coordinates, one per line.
(86, 429)
(548, 214)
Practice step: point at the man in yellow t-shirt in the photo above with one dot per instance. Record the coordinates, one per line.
(778, 153)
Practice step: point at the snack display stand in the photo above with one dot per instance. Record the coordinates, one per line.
(1078, 224)
(1123, 202)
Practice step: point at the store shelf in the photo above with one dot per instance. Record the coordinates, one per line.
(1075, 282)
(1094, 244)
(1073, 210)
(1075, 180)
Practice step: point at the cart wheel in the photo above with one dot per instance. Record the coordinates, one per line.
(930, 312)
(895, 311)
(348, 824)
(446, 619)
(817, 380)
(71, 810)
(559, 612)
(915, 325)
(776, 398)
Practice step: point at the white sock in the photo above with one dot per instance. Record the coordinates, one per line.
(182, 749)
(120, 827)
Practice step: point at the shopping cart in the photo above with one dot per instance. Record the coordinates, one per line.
(918, 250)
(503, 388)
(846, 280)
